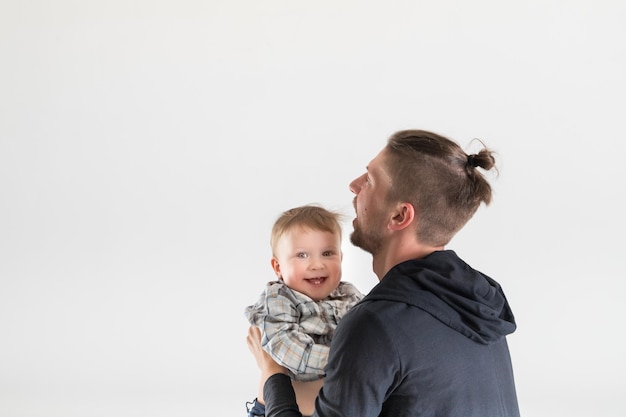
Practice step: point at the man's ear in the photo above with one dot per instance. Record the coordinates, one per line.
(402, 217)
(276, 267)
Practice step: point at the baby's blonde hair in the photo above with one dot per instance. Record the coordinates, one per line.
(309, 216)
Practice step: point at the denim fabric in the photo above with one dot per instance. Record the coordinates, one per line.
(257, 409)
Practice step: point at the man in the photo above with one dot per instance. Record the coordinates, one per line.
(430, 338)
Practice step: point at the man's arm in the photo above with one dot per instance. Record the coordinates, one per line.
(280, 398)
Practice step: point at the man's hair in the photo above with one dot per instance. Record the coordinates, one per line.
(309, 216)
(439, 179)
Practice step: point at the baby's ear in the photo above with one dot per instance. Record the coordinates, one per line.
(276, 267)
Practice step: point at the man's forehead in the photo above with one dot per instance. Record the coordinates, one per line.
(377, 165)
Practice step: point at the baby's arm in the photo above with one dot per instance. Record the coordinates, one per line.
(285, 341)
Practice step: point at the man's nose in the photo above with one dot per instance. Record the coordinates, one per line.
(356, 184)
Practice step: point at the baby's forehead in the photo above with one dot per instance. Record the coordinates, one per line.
(303, 229)
(304, 233)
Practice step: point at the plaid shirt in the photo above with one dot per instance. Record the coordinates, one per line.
(296, 330)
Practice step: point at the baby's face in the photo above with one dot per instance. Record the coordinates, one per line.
(309, 261)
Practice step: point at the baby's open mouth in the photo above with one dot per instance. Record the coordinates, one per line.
(316, 281)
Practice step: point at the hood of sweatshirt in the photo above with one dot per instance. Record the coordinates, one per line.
(444, 286)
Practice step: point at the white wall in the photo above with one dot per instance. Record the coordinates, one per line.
(147, 146)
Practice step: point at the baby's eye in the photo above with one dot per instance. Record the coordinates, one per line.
(328, 253)
(301, 255)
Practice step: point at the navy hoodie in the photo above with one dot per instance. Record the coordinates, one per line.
(428, 340)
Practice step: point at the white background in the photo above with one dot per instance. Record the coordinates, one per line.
(146, 147)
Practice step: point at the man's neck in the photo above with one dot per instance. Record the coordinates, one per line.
(393, 255)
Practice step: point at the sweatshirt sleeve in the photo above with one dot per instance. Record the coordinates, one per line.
(280, 398)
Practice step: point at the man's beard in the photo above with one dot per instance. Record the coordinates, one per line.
(368, 240)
